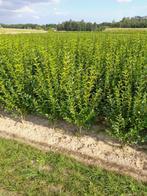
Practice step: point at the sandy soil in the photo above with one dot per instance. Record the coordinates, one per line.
(19, 31)
(96, 149)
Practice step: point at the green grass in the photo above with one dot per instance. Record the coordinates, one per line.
(28, 171)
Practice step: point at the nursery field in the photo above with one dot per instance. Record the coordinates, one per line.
(82, 78)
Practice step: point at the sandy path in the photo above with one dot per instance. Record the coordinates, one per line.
(96, 150)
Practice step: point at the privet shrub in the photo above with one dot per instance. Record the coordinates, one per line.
(78, 77)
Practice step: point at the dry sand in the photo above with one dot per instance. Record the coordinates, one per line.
(91, 149)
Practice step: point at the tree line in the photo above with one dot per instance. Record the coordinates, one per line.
(29, 26)
(65, 26)
(79, 26)
(131, 22)
(126, 22)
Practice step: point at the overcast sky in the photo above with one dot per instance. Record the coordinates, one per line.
(55, 11)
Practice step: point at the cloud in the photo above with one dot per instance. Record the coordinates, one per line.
(58, 12)
(25, 9)
(16, 4)
(124, 1)
(10, 10)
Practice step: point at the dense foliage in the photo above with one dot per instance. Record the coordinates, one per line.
(64, 26)
(133, 22)
(79, 26)
(79, 77)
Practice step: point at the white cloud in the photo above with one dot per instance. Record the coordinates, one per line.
(25, 9)
(58, 12)
(10, 10)
(17, 4)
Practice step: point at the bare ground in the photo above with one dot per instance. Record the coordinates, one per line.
(95, 149)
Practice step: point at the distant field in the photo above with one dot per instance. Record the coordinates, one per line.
(125, 29)
(18, 31)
